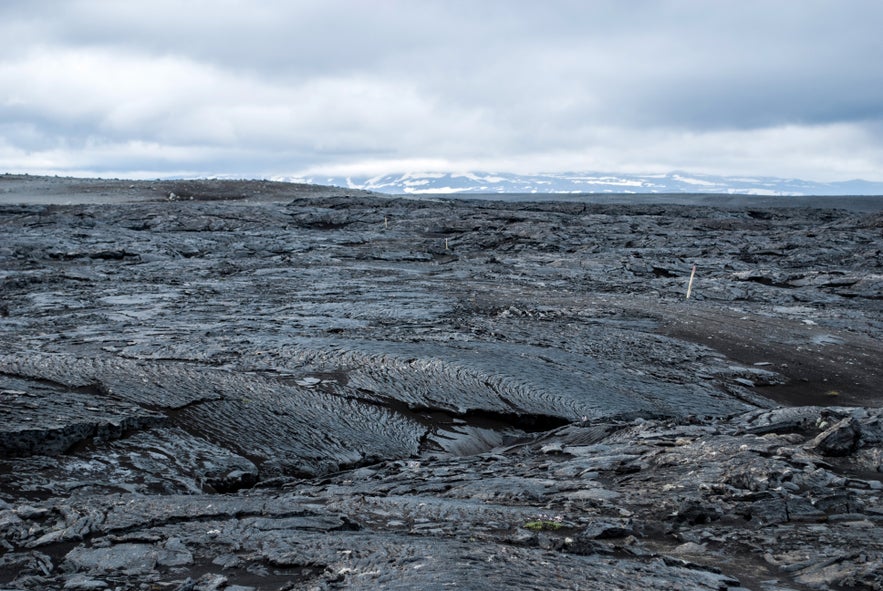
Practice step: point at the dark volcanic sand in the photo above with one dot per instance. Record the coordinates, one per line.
(256, 385)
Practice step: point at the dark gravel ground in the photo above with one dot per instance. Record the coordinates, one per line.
(256, 385)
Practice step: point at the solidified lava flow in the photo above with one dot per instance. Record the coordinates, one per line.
(252, 385)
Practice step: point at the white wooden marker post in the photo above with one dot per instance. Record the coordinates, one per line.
(690, 285)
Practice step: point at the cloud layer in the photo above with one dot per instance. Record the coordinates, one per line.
(786, 88)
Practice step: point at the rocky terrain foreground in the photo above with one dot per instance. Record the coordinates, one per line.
(227, 385)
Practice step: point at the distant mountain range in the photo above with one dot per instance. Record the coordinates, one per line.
(565, 182)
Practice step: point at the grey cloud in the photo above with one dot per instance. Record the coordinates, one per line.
(444, 79)
(735, 64)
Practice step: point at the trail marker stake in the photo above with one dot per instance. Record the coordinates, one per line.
(690, 285)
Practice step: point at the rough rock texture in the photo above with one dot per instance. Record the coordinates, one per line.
(693, 504)
(277, 387)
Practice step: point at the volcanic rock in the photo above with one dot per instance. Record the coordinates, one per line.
(269, 386)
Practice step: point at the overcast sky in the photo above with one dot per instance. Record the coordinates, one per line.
(260, 88)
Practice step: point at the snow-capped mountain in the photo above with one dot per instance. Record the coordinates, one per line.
(675, 182)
